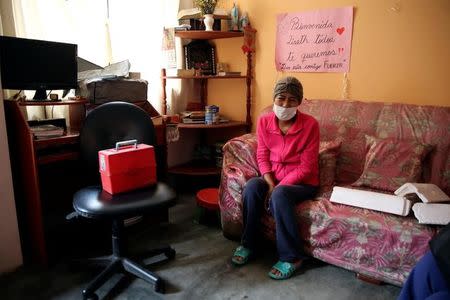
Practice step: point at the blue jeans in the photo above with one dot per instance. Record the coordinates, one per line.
(425, 281)
(282, 206)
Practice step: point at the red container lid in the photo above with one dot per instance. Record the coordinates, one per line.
(208, 198)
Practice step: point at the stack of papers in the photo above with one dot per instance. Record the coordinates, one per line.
(46, 131)
(113, 71)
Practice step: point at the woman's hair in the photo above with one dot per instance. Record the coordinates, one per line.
(289, 85)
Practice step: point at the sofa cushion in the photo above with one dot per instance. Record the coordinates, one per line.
(390, 163)
(328, 153)
(379, 245)
(349, 121)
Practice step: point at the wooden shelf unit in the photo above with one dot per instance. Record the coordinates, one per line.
(204, 88)
(195, 168)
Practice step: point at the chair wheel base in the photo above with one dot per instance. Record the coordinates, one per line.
(90, 297)
(170, 253)
(160, 286)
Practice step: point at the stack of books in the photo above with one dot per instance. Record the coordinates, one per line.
(183, 27)
(46, 131)
(194, 117)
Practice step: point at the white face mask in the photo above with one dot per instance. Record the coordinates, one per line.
(284, 113)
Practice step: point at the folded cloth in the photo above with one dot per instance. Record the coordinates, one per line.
(376, 201)
(432, 213)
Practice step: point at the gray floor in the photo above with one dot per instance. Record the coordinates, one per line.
(201, 270)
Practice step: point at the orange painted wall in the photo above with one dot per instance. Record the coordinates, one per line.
(400, 53)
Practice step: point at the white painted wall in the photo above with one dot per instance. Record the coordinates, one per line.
(10, 250)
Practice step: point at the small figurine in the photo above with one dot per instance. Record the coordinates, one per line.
(243, 21)
(234, 18)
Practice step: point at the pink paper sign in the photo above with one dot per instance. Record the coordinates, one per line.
(314, 41)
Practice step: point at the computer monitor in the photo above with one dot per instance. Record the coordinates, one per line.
(27, 64)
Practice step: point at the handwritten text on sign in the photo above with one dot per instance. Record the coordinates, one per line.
(314, 41)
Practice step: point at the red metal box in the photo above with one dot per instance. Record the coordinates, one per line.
(128, 168)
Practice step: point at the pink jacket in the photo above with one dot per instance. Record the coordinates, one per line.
(293, 157)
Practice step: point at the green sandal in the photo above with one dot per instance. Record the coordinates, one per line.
(286, 270)
(242, 252)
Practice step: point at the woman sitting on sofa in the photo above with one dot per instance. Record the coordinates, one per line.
(287, 155)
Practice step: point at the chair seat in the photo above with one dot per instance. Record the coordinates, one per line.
(94, 202)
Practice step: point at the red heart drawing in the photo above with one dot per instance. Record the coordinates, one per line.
(340, 30)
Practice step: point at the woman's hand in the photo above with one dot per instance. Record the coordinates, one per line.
(267, 199)
(270, 180)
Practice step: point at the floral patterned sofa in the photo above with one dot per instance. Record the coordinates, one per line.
(377, 245)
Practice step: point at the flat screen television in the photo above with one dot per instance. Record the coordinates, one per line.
(27, 64)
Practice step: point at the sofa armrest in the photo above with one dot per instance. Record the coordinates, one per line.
(239, 165)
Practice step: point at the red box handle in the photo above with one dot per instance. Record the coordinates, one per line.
(126, 143)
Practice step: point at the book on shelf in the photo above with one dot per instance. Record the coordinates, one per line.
(193, 121)
(46, 131)
(229, 73)
(196, 114)
(201, 121)
(200, 54)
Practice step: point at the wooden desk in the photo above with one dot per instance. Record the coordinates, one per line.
(29, 157)
(25, 161)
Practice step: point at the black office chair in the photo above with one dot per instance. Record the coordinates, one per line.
(103, 127)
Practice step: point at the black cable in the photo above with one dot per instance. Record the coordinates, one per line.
(17, 95)
(52, 105)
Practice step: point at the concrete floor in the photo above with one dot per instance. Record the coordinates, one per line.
(200, 270)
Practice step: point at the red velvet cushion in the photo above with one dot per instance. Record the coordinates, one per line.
(390, 163)
(328, 152)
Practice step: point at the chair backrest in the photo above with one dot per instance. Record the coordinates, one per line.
(110, 123)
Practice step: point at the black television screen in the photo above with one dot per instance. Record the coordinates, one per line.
(27, 64)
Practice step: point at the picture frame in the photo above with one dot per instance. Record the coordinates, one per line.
(200, 54)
